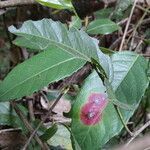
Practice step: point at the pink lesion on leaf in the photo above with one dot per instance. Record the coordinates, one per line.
(91, 112)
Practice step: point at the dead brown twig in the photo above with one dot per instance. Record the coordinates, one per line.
(27, 124)
(147, 124)
(127, 26)
(46, 116)
(14, 3)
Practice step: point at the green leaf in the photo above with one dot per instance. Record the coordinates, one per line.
(61, 138)
(7, 116)
(75, 23)
(58, 4)
(120, 10)
(66, 51)
(107, 51)
(103, 13)
(47, 34)
(37, 72)
(102, 26)
(49, 133)
(129, 83)
(130, 79)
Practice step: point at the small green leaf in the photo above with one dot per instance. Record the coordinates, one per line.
(103, 13)
(7, 116)
(102, 26)
(61, 138)
(58, 4)
(49, 133)
(75, 23)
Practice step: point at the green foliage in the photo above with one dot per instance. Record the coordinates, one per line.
(37, 72)
(47, 34)
(120, 9)
(102, 26)
(58, 4)
(7, 117)
(75, 23)
(49, 133)
(61, 138)
(129, 88)
(64, 49)
(103, 13)
(62, 52)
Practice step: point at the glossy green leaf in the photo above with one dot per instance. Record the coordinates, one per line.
(47, 34)
(102, 26)
(129, 83)
(37, 72)
(58, 4)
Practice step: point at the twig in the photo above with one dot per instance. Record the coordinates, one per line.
(140, 144)
(136, 27)
(146, 55)
(30, 107)
(127, 26)
(48, 114)
(27, 124)
(14, 3)
(116, 43)
(138, 132)
(146, 21)
(140, 7)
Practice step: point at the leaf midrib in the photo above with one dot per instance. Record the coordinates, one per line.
(37, 75)
(82, 56)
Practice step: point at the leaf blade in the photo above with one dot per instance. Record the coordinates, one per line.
(94, 137)
(38, 72)
(102, 26)
(46, 33)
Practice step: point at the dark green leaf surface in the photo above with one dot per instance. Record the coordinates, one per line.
(103, 13)
(130, 79)
(7, 117)
(58, 4)
(129, 84)
(49, 133)
(102, 26)
(47, 34)
(37, 72)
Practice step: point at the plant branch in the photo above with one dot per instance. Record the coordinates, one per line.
(138, 132)
(14, 3)
(65, 90)
(27, 124)
(127, 26)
